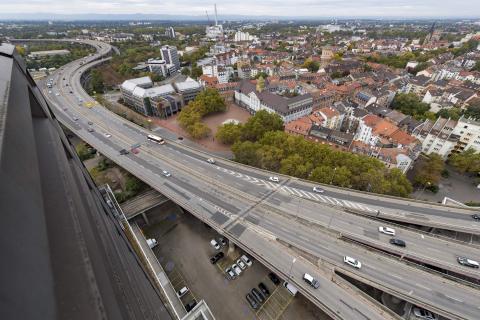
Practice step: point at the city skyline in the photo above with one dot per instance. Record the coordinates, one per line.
(228, 9)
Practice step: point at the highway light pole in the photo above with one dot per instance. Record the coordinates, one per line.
(333, 175)
(291, 266)
(423, 190)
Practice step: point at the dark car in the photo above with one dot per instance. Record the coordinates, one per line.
(189, 306)
(476, 216)
(251, 300)
(264, 289)
(258, 295)
(398, 242)
(180, 138)
(216, 257)
(124, 152)
(274, 278)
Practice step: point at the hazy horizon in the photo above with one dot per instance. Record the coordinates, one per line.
(306, 9)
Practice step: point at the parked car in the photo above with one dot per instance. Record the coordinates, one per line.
(311, 281)
(241, 264)
(274, 179)
(353, 262)
(222, 241)
(236, 269)
(216, 257)
(424, 314)
(90, 130)
(230, 274)
(258, 295)
(189, 306)
(387, 230)
(246, 260)
(166, 173)
(124, 152)
(398, 242)
(264, 289)
(215, 244)
(251, 300)
(183, 291)
(468, 262)
(211, 160)
(318, 190)
(274, 278)
(90, 123)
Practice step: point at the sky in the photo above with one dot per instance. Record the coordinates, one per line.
(296, 8)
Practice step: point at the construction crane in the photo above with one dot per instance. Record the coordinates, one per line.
(208, 18)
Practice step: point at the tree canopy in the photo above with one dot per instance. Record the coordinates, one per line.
(428, 170)
(206, 102)
(311, 65)
(410, 104)
(467, 161)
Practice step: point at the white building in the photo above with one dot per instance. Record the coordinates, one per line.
(128, 86)
(215, 31)
(288, 109)
(161, 67)
(243, 36)
(469, 132)
(170, 55)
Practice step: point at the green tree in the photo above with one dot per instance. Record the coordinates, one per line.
(410, 104)
(263, 121)
(311, 65)
(246, 152)
(467, 161)
(454, 113)
(477, 66)
(84, 151)
(229, 133)
(428, 170)
(199, 130)
(96, 81)
(186, 71)
(473, 110)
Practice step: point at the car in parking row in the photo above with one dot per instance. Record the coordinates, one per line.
(216, 257)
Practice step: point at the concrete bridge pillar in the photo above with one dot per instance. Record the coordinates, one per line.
(231, 249)
(144, 215)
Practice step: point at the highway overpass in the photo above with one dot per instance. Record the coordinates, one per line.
(261, 216)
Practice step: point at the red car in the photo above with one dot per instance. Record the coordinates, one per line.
(135, 151)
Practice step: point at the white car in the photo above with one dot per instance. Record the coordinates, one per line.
(236, 269)
(241, 264)
(166, 173)
(387, 230)
(353, 262)
(318, 190)
(211, 160)
(215, 244)
(274, 179)
(182, 292)
(57, 94)
(49, 91)
(424, 314)
(246, 260)
(108, 135)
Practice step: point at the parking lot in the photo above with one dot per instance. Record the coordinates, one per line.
(184, 251)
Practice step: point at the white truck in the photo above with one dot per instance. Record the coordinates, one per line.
(152, 243)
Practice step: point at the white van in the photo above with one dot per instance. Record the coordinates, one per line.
(182, 292)
(293, 291)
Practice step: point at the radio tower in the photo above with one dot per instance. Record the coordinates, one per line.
(216, 22)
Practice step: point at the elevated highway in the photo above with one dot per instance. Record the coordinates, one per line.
(261, 216)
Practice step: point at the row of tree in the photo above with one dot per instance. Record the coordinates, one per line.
(206, 102)
(261, 142)
(410, 104)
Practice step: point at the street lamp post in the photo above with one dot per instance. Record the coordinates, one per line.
(291, 267)
(333, 175)
(423, 190)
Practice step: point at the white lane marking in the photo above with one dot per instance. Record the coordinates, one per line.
(306, 194)
(322, 198)
(297, 192)
(330, 200)
(348, 204)
(286, 189)
(423, 287)
(314, 196)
